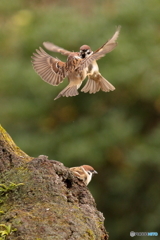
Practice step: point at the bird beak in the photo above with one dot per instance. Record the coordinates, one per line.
(95, 172)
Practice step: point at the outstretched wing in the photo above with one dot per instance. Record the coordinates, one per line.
(102, 51)
(50, 69)
(54, 48)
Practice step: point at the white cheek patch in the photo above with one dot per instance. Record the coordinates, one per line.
(88, 52)
(89, 178)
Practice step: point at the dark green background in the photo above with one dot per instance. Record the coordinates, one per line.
(118, 133)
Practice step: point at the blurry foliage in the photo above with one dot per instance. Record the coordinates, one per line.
(119, 132)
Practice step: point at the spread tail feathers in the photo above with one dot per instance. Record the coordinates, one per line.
(96, 83)
(68, 92)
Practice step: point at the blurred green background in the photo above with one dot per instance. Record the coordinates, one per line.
(118, 133)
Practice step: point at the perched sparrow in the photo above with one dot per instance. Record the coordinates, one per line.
(53, 71)
(95, 81)
(84, 172)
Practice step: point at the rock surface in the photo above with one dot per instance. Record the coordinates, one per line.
(50, 204)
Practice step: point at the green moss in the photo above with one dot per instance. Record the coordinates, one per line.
(5, 189)
(11, 146)
(99, 224)
(89, 235)
(6, 230)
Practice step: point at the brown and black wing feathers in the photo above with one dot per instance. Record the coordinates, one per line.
(50, 69)
(102, 51)
(54, 48)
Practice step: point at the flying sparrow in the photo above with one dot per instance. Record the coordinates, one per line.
(75, 76)
(95, 81)
(84, 172)
(53, 71)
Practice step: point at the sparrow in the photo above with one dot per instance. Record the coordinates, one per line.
(53, 71)
(84, 172)
(96, 81)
